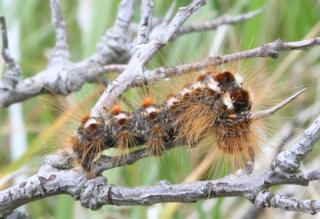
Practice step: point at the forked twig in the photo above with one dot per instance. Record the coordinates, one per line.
(12, 72)
(61, 49)
(274, 109)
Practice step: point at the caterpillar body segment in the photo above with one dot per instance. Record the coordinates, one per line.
(213, 106)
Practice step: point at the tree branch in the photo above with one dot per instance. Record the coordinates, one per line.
(116, 39)
(268, 199)
(267, 50)
(289, 160)
(12, 72)
(61, 49)
(96, 192)
(217, 22)
(274, 109)
(145, 22)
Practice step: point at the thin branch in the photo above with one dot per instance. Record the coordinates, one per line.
(118, 68)
(268, 199)
(214, 24)
(4, 35)
(116, 38)
(145, 22)
(289, 160)
(274, 109)
(108, 162)
(170, 12)
(12, 72)
(267, 50)
(229, 186)
(96, 192)
(61, 49)
(287, 131)
(167, 18)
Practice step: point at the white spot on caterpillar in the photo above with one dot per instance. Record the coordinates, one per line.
(171, 101)
(185, 91)
(121, 116)
(239, 79)
(227, 101)
(213, 85)
(90, 122)
(151, 109)
(196, 86)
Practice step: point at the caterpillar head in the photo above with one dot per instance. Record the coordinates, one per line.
(240, 100)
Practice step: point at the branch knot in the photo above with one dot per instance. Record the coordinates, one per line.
(89, 195)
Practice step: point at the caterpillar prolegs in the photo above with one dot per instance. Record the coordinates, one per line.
(216, 105)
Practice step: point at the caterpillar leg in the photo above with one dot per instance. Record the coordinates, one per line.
(157, 139)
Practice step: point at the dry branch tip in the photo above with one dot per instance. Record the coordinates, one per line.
(274, 109)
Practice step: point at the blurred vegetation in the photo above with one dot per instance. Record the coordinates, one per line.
(46, 116)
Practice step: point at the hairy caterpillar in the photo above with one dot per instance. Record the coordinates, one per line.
(215, 105)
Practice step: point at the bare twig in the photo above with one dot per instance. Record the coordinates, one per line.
(267, 50)
(107, 162)
(61, 49)
(4, 35)
(145, 22)
(167, 18)
(113, 68)
(268, 199)
(217, 22)
(188, 192)
(272, 110)
(289, 160)
(170, 12)
(12, 71)
(171, 71)
(96, 192)
(116, 38)
(287, 131)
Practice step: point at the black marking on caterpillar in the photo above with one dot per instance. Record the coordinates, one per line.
(214, 105)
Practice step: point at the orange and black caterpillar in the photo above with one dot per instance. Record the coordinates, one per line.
(215, 105)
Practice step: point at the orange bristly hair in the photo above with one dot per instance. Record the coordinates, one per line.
(214, 106)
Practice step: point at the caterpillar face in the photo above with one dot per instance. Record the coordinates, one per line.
(211, 106)
(240, 100)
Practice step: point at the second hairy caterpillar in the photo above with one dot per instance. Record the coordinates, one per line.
(215, 105)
